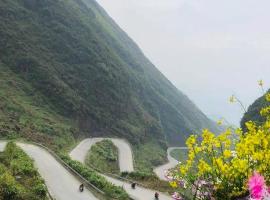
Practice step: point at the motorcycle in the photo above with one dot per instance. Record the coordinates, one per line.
(81, 188)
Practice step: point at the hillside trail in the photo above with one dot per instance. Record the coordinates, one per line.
(172, 162)
(79, 153)
(62, 185)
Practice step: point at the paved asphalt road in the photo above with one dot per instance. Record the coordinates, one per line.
(140, 193)
(61, 183)
(171, 164)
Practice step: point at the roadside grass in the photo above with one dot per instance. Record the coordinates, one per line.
(104, 156)
(19, 179)
(111, 191)
(148, 180)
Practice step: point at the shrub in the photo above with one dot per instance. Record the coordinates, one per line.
(19, 179)
(9, 189)
(103, 156)
(139, 175)
(40, 189)
(94, 178)
(220, 166)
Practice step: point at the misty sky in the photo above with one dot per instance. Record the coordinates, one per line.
(209, 49)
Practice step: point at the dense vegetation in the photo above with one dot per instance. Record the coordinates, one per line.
(19, 179)
(149, 155)
(67, 67)
(179, 154)
(97, 180)
(104, 156)
(25, 113)
(253, 112)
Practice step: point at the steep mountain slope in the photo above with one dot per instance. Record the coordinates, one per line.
(253, 112)
(66, 67)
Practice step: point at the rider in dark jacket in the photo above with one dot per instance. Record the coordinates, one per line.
(133, 185)
(81, 188)
(156, 196)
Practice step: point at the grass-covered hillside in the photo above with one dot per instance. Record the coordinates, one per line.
(253, 112)
(24, 112)
(67, 68)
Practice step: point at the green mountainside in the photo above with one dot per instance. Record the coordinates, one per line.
(253, 112)
(67, 71)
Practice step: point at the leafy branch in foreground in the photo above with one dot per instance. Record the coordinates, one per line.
(220, 166)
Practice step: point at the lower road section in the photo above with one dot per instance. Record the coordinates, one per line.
(140, 193)
(61, 183)
(160, 171)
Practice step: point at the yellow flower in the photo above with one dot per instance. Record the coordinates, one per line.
(173, 184)
(267, 125)
(217, 144)
(229, 159)
(190, 161)
(191, 141)
(239, 131)
(183, 170)
(265, 143)
(221, 166)
(197, 149)
(227, 143)
(203, 167)
(222, 137)
(240, 166)
(227, 154)
(250, 125)
(207, 136)
(265, 111)
(257, 156)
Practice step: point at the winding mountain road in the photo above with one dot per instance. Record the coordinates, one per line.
(140, 193)
(171, 164)
(61, 184)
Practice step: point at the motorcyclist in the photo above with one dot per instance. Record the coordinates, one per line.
(81, 187)
(156, 196)
(133, 185)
